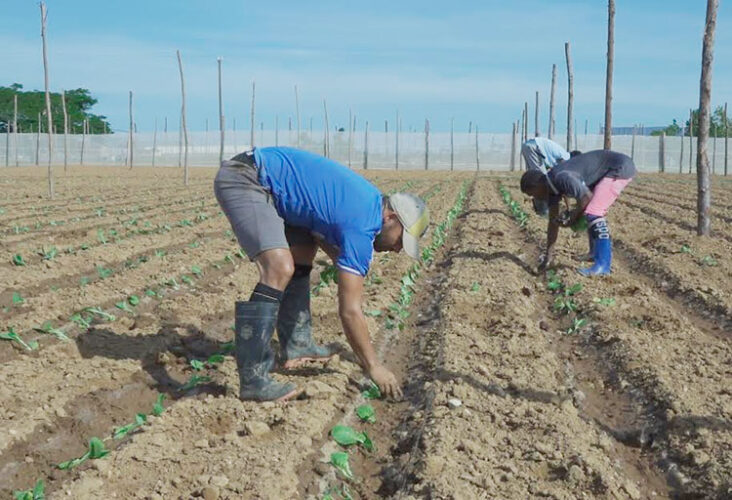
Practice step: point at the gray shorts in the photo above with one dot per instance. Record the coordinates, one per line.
(251, 212)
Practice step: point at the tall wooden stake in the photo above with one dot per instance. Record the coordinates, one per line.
(131, 141)
(552, 121)
(38, 140)
(183, 118)
(398, 129)
(155, 141)
(681, 154)
(452, 144)
(222, 122)
(366, 147)
(251, 124)
(66, 129)
(350, 135)
(570, 94)
(15, 128)
(326, 138)
(609, 75)
(426, 144)
(44, 14)
(726, 136)
(477, 149)
(691, 138)
(661, 152)
(704, 196)
(536, 115)
(513, 146)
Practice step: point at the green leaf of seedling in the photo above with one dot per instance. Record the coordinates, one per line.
(389, 324)
(187, 280)
(47, 327)
(373, 313)
(104, 272)
(14, 337)
(80, 320)
(17, 299)
(133, 300)
(197, 365)
(215, 359)
(475, 287)
(96, 311)
(708, 260)
(101, 236)
(124, 306)
(194, 381)
(347, 436)
(196, 270)
(340, 461)
(151, 293)
(373, 392)
(226, 348)
(37, 493)
(576, 288)
(366, 413)
(18, 260)
(97, 449)
(123, 431)
(685, 249)
(610, 301)
(158, 407)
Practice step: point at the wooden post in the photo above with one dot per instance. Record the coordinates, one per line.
(38, 139)
(704, 195)
(297, 115)
(365, 147)
(575, 134)
(632, 145)
(130, 142)
(691, 137)
(714, 152)
(350, 135)
(326, 138)
(609, 75)
(513, 146)
(15, 128)
(536, 115)
(66, 129)
(183, 117)
(426, 144)
(470, 127)
(586, 128)
(726, 136)
(398, 128)
(452, 144)
(180, 140)
(519, 132)
(661, 152)
(277, 130)
(570, 94)
(477, 150)
(681, 154)
(552, 122)
(49, 116)
(83, 140)
(155, 141)
(251, 123)
(222, 122)
(526, 121)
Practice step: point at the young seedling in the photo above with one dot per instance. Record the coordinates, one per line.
(194, 381)
(124, 306)
(104, 272)
(123, 431)
(348, 436)
(577, 325)
(214, 360)
(48, 254)
(160, 253)
(47, 327)
(14, 337)
(374, 313)
(17, 299)
(187, 280)
(708, 260)
(96, 311)
(196, 271)
(610, 301)
(197, 365)
(37, 493)
(158, 407)
(101, 236)
(327, 276)
(555, 283)
(18, 260)
(686, 249)
(339, 460)
(373, 392)
(96, 450)
(474, 287)
(151, 293)
(83, 322)
(366, 413)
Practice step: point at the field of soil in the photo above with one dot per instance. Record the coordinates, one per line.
(517, 384)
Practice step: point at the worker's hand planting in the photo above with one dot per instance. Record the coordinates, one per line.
(386, 381)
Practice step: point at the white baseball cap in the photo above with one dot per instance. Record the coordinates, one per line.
(415, 218)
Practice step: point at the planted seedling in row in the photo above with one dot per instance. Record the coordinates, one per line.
(373, 313)
(339, 460)
(474, 287)
(96, 311)
(37, 493)
(366, 413)
(47, 328)
(49, 254)
(187, 280)
(610, 301)
(158, 407)
(83, 322)
(123, 431)
(577, 325)
(18, 260)
(17, 299)
(686, 249)
(197, 365)
(104, 272)
(707, 260)
(373, 392)
(14, 337)
(196, 271)
(348, 436)
(194, 381)
(96, 450)
(555, 283)
(124, 306)
(327, 276)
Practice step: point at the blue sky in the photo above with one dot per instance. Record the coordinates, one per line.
(472, 60)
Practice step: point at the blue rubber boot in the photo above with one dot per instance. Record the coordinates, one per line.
(602, 249)
(294, 326)
(254, 327)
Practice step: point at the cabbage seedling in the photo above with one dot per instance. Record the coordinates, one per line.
(196, 271)
(197, 365)
(366, 413)
(339, 460)
(158, 407)
(474, 287)
(17, 299)
(214, 359)
(47, 327)
(104, 272)
(14, 337)
(96, 450)
(577, 324)
(123, 431)
(373, 313)
(373, 392)
(96, 311)
(604, 302)
(187, 280)
(48, 254)
(347, 436)
(194, 381)
(124, 306)
(18, 260)
(80, 320)
(133, 300)
(37, 493)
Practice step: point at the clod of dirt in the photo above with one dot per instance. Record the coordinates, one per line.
(454, 403)
(256, 428)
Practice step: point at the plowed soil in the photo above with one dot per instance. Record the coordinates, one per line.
(504, 398)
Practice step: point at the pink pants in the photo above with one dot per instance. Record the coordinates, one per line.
(605, 193)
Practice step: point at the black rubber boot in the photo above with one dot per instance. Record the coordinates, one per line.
(254, 327)
(294, 326)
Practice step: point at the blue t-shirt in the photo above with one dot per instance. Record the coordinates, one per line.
(330, 200)
(552, 152)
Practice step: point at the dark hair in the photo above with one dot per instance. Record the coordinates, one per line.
(574, 153)
(531, 179)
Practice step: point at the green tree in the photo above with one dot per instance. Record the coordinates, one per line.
(79, 103)
(716, 123)
(671, 130)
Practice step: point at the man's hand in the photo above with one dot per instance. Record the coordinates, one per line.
(545, 261)
(386, 381)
